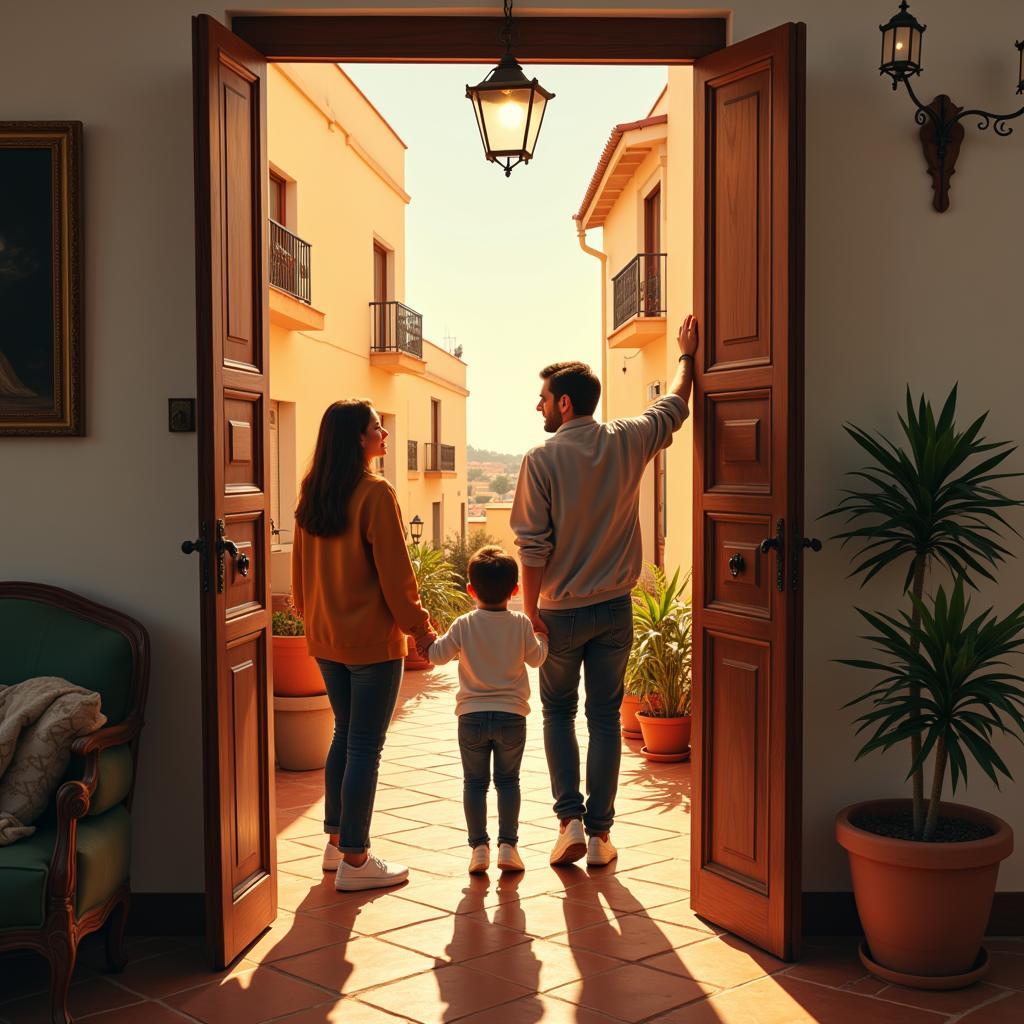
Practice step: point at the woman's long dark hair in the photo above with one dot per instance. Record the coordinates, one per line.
(338, 465)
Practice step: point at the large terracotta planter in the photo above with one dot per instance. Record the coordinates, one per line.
(627, 716)
(665, 736)
(296, 674)
(303, 728)
(924, 906)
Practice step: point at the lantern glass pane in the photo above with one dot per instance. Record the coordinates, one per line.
(536, 117)
(504, 113)
(902, 43)
(888, 46)
(479, 119)
(915, 47)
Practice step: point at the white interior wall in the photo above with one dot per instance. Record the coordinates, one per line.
(895, 293)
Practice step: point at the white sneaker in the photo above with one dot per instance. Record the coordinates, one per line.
(571, 843)
(479, 859)
(373, 873)
(509, 859)
(332, 857)
(600, 851)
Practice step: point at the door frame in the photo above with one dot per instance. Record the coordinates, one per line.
(434, 39)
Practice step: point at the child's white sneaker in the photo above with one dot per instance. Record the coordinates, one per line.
(479, 859)
(571, 843)
(373, 873)
(332, 857)
(509, 859)
(600, 851)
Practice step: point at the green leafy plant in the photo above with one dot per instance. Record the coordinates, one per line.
(944, 678)
(287, 623)
(934, 500)
(440, 593)
(459, 549)
(659, 667)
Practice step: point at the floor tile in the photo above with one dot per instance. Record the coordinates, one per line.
(453, 939)
(361, 964)
(829, 963)
(783, 1000)
(632, 992)
(680, 913)
(445, 994)
(630, 937)
(1008, 1010)
(540, 966)
(140, 1013)
(159, 976)
(292, 934)
(620, 893)
(956, 1001)
(373, 913)
(91, 996)
(723, 962)
(1006, 969)
(247, 997)
(535, 1008)
(546, 915)
(347, 1010)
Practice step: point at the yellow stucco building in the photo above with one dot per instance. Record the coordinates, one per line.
(339, 326)
(646, 256)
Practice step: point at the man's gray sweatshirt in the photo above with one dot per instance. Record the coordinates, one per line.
(577, 505)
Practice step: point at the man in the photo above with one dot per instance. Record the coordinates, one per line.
(577, 524)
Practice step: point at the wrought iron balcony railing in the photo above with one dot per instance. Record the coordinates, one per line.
(638, 289)
(439, 458)
(289, 262)
(413, 459)
(396, 328)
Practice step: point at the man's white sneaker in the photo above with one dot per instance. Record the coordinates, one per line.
(571, 843)
(373, 873)
(509, 859)
(332, 857)
(479, 859)
(600, 851)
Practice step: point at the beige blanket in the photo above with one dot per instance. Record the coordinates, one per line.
(39, 720)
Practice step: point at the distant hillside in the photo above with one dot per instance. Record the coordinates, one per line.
(510, 462)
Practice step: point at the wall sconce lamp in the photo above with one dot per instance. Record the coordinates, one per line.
(941, 130)
(509, 107)
(416, 529)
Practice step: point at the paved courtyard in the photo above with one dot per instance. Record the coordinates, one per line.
(572, 946)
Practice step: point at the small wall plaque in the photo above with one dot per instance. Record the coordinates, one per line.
(181, 415)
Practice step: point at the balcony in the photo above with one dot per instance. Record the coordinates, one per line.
(439, 459)
(289, 265)
(413, 457)
(396, 343)
(639, 301)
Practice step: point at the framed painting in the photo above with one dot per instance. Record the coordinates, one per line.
(41, 358)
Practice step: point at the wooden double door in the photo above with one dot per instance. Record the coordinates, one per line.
(747, 410)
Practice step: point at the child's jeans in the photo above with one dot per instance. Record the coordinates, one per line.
(504, 733)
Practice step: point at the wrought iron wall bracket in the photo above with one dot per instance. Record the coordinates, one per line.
(942, 134)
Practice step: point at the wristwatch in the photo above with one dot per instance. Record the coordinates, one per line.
(686, 355)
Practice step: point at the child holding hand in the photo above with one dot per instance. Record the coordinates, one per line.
(494, 646)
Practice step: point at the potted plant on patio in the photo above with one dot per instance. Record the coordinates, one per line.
(440, 594)
(924, 871)
(303, 720)
(658, 670)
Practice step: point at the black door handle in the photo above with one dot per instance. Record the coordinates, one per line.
(227, 546)
(799, 543)
(778, 545)
(199, 545)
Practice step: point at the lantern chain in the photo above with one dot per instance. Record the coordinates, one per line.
(506, 34)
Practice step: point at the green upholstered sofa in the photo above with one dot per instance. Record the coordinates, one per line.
(71, 876)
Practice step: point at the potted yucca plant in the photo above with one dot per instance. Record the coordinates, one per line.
(924, 871)
(658, 670)
(440, 594)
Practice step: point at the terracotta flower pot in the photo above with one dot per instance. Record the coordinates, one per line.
(296, 674)
(303, 728)
(923, 906)
(665, 735)
(627, 715)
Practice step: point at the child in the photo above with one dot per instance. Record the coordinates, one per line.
(493, 701)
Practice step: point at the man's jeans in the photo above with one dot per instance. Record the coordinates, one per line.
(481, 732)
(596, 638)
(363, 698)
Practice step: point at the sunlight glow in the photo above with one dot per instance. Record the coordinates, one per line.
(511, 114)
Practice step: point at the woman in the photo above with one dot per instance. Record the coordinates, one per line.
(353, 583)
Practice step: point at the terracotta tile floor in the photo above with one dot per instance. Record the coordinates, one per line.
(564, 947)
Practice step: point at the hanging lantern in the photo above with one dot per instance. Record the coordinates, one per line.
(901, 45)
(509, 108)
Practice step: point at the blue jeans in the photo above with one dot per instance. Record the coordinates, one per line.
(480, 733)
(363, 698)
(596, 638)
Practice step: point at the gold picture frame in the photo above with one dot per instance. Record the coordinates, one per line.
(41, 348)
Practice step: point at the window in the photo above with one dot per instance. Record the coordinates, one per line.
(278, 199)
(437, 524)
(281, 422)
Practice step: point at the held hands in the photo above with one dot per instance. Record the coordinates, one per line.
(424, 638)
(539, 625)
(687, 338)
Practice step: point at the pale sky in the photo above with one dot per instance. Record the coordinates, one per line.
(494, 261)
